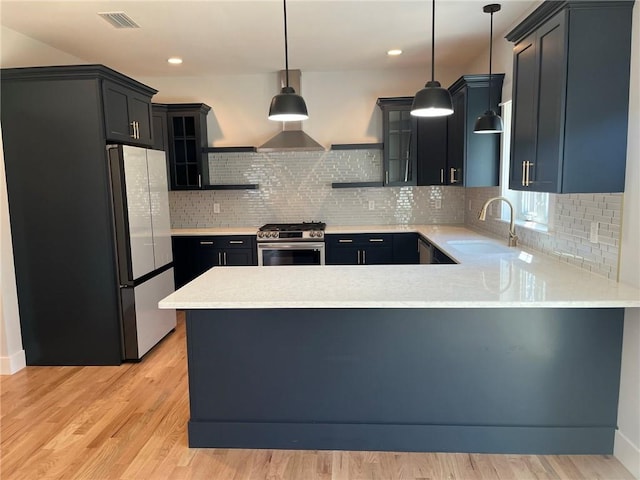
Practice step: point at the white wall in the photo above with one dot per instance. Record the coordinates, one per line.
(627, 440)
(342, 105)
(12, 356)
(18, 50)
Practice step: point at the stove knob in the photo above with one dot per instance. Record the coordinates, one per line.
(260, 234)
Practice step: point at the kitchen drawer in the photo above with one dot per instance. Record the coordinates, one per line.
(360, 239)
(227, 241)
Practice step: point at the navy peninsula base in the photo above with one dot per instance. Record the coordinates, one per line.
(499, 380)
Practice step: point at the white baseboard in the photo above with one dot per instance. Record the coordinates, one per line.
(10, 365)
(627, 453)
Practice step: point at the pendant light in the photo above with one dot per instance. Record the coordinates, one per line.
(432, 100)
(287, 106)
(490, 122)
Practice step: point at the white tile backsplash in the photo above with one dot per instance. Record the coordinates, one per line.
(296, 186)
(568, 238)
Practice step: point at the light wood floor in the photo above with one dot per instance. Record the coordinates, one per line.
(129, 422)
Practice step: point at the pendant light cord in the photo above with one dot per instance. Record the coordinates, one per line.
(286, 46)
(433, 39)
(490, 58)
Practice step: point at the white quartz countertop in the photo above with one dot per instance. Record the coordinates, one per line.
(489, 275)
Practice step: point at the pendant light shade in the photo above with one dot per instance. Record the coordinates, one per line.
(432, 100)
(287, 106)
(490, 122)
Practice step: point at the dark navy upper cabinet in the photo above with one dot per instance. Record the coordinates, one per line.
(432, 151)
(400, 141)
(127, 113)
(415, 149)
(187, 132)
(160, 131)
(473, 160)
(571, 97)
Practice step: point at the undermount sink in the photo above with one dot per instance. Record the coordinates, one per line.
(479, 247)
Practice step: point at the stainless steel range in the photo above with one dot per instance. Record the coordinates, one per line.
(291, 244)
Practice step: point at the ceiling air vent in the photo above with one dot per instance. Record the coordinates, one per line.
(119, 19)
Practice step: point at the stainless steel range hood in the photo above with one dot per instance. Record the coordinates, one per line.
(291, 138)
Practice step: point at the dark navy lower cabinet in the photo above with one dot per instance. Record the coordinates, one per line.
(359, 249)
(405, 249)
(489, 380)
(372, 249)
(184, 259)
(194, 255)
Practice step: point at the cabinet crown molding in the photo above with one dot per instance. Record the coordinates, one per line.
(550, 7)
(75, 72)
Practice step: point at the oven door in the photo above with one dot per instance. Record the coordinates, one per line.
(294, 253)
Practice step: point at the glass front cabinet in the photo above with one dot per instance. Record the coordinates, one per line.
(400, 141)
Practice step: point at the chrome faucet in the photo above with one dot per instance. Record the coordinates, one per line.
(513, 238)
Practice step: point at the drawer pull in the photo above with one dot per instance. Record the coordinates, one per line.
(376, 239)
(206, 243)
(236, 242)
(345, 240)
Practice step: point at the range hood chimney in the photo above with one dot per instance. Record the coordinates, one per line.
(291, 138)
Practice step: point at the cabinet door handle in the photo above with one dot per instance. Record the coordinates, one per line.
(206, 243)
(529, 165)
(199, 180)
(345, 240)
(133, 129)
(219, 258)
(138, 130)
(364, 257)
(358, 257)
(524, 174)
(224, 256)
(442, 176)
(236, 242)
(376, 239)
(452, 176)
(386, 176)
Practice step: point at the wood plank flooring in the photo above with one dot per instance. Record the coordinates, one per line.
(129, 422)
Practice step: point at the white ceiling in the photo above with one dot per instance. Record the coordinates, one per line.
(245, 37)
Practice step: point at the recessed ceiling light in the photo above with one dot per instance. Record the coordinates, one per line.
(175, 61)
(394, 52)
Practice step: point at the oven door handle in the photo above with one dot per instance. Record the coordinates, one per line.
(291, 246)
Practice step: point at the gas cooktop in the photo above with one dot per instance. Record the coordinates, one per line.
(292, 227)
(292, 231)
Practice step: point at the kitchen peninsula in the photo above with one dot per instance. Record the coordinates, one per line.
(507, 351)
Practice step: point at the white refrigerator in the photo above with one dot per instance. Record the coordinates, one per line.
(143, 246)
